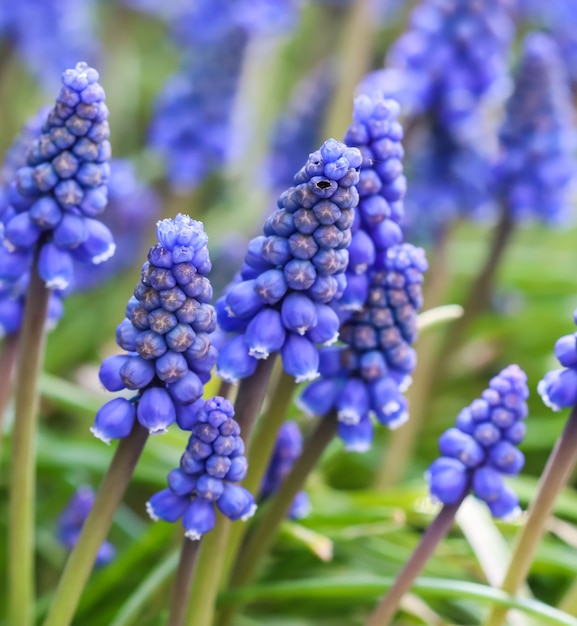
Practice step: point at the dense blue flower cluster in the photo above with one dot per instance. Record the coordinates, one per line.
(558, 389)
(559, 18)
(191, 125)
(367, 376)
(13, 292)
(72, 520)
(483, 446)
(132, 207)
(452, 55)
(292, 274)
(376, 132)
(297, 130)
(288, 448)
(62, 188)
(538, 137)
(213, 461)
(166, 334)
(51, 35)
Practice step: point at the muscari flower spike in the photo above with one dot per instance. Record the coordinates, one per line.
(13, 290)
(558, 389)
(366, 377)
(62, 188)
(72, 520)
(482, 447)
(288, 448)
(537, 139)
(209, 468)
(166, 336)
(294, 272)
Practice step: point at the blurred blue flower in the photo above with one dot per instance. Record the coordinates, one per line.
(537, 163)
(72, 520)
(288, 448)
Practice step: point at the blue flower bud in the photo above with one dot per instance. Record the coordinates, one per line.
(180, 482)
(167, 505)
(156, 410)
(243, 301)
(352, 402)
(357, 437)
(209, 488)
(136, 373)
(461, 446)
(109, 373)
(238, 469)
(558, 389)
(234, 362)
(21, 231)
(198, 518)
(448, 480)
(265, 334)
(55, 267)
(506, 457)
(566, 350)
(236, 502)
(300, 358)
(319, 397)
(506, 506)
(298, 313)
(114, 420)
(487, 484)
(71, 231)
(171, 367)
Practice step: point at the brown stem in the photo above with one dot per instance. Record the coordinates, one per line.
(434, 534)
(183, 581)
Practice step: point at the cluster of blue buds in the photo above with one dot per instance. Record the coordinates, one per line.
(288, 448)
(132, 207)
(483, 446)
(13, 291)
(213, 461)
(538, 137)
(558, 389)
(166, 335)
(451, 56)
(368, 375)
(62, 188)
(72, 520)
(294, 271)
(376, 132)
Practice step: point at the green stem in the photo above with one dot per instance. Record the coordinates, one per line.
(249, 400)
(434, 534)
(23, 456)
(259, 454)
(262, 537)
(183, 581)
(554, 478)
(354, 61)
(7, 364)
(207, 577)
(95, 529)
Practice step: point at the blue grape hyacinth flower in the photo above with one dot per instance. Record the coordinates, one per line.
(537, 165)
(166, 336)
(366, 377)
(56, 196)
(558, 389)
(482, 447)
(209, 469)
(72, 520)
(451, 57)
(292, 274)
(288, 448)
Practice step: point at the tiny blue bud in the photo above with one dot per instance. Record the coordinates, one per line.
(156, 410)
(114, 420)
(198, 519)
(167, 506)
